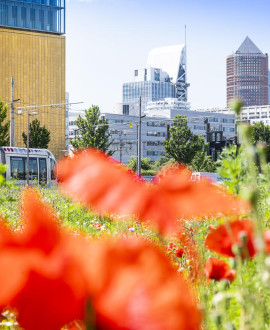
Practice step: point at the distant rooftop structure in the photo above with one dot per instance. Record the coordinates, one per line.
(168, 59)
(171, 59)
(247, 75)
(248, 47)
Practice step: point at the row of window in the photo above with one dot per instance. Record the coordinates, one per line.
(154, 143)
(156, 124)
(156, 134)
(72, 123)
(228, 129)
(155, 153)
(37, 168)
(36, 18)
(221, 120)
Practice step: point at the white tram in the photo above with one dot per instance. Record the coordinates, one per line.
(41, 165)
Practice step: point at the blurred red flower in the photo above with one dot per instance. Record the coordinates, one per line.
(266, 236)
(218, 270)
(179, 252)
(136, 287)
(50, 275)
(170, 247)
(41, 278)
(96, 225)
(93, 179)
(225, 239)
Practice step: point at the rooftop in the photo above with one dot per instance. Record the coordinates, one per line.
(248, 47)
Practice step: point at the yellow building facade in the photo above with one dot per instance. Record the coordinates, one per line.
(36, 61)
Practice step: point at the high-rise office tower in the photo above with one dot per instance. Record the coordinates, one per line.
(247, 75)
(33, 53)
(164, 77)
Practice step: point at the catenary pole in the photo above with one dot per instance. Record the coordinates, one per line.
(139, 138)
(12, 139)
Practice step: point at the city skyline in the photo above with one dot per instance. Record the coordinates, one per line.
(113, 39)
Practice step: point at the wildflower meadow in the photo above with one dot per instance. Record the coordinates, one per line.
(106, 250)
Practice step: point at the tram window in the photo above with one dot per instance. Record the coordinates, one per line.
(42, 169)
(52, 162)
(33, 169)
(17, 168)
(2, 160)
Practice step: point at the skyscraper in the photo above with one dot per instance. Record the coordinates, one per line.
(164, 77)
(247, 75)
(33, 53)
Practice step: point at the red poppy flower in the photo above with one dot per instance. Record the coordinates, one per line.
(170, 247)
(179, 252)
(136, 287)
(239, 233)
(41, 278)
(218, 270)
(49, 275)
(96, 225)
(91, 178)
(266, 236)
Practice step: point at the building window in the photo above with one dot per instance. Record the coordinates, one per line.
(136, 73)
(126, 109)
(14, 16)
(32, 18)
(23, 17)
(41, 19)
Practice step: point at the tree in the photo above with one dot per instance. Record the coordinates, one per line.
(145, 164)
(183, 145)
(233, 169)
(4, 127)
(202, 163)
(261, 133)
(39, 137)
(93, 132)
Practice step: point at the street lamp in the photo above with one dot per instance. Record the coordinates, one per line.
(27, 170)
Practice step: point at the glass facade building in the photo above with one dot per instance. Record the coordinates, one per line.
(32, 53)
(37, 15)
(247, 75)
(148, 90)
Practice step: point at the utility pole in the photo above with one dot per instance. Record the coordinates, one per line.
(120, 147)
(12, 138)
(27, 163)
(139, 138)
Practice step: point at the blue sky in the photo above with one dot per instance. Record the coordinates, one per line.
(108, 39)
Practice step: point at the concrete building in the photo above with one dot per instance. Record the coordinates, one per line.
(154, 130)
(33, 53)
(247, 75)
(252, 114)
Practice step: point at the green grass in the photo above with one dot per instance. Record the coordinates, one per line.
(244, 304)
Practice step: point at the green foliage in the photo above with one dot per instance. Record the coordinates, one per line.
(4, 125)
(145, 164)
(202, 163)
(93, 132)
(39, 137)
(260, 133)
(148, 172)
(183, 145)
(4, 184)
(233, 168)
(162, 161)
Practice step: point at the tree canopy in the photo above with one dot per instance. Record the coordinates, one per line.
(4, 125)
(93, 131)
(183, 145)
(261, 133)
(202, 163)
(145, 163)
(39, 137)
